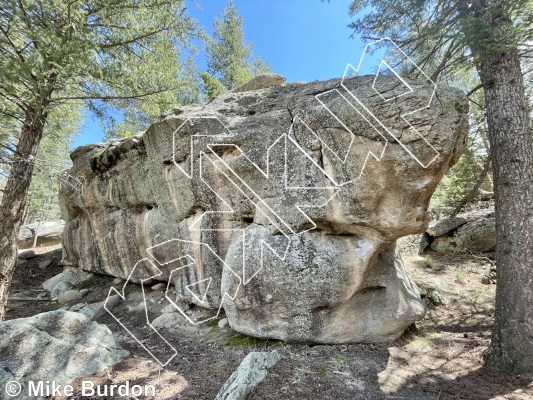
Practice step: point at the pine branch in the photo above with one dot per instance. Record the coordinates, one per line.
(476, 187)
(106, 98)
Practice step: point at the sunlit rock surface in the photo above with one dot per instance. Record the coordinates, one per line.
(281, 205)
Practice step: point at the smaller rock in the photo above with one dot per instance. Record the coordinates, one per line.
(77, 307)
(72, 276)
(117, 282)
(223, 323)
(49, 233)
(26, 255)
(437, 267)
(113, 301)
(42, 295)
(84, 292)
(60, 288)
(252, 371)
(488, 275)
(59, 345)
(68, 296)
(87, 311)
(346, 374)
(445, 226)
(438, 284)
(477, 235)
(139, 307)
(100, 308)
(437, 298)
(45, 264)
(169, 308)
(56, 254)
(262, 81)
(90, 310)
(159, 287)
(167, 320)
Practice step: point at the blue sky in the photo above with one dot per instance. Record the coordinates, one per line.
(304, 40)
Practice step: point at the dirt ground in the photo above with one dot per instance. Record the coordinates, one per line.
(440, 358)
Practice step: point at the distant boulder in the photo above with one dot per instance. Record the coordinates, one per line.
(48, 233)
(477, 235)
(446, 225)
(474, 230)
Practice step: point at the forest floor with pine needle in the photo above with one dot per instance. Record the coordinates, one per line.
(440, 358)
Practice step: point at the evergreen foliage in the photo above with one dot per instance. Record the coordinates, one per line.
(229, 59)
(106, 53)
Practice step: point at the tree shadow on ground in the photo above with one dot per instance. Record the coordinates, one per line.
(445, 362)
(482, 384)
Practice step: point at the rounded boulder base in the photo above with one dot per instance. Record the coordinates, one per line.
(328, 289)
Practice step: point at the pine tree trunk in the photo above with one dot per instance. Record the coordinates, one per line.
(14, 200)
(511, 141)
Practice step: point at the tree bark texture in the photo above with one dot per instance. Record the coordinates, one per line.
(511, 141)
(13, 203)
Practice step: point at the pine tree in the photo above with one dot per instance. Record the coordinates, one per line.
(493, 37)
(212, 86)
(54, 52)
(229, 59)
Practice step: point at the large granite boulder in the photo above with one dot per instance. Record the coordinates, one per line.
(281, 205)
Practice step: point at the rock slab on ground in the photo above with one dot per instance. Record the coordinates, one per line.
(287, 199)
(252, 370)
(166, 320)
(26, 255)
(45, 264)
(65, 281)
(69, 296)
(57, 346)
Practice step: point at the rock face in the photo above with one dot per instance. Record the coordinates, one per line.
(281, 205)
(56, 346)
(48, 233)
